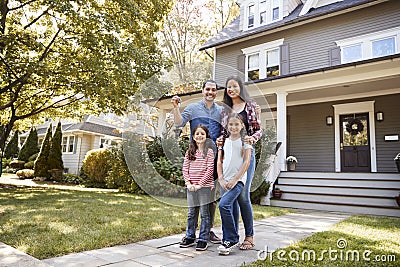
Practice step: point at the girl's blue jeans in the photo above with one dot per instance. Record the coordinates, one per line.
(230, 226)
(198, 201)
(244, 202)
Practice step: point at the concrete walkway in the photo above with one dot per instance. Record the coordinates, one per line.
(270, 234)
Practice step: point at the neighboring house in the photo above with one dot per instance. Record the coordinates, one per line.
(79, 138)
(323, 65)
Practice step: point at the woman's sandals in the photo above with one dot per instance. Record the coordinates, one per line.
(246, 245)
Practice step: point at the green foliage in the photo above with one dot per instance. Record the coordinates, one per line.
(68, 58)
(72, 179)
(33, 157)
(5, 163)
(260, 192)
(30, 147)
(169, 171)
(12, 149)
(29, 165)
(118, 175)
(41, 167)
(96, 165)
(17, 164)
(55, 156)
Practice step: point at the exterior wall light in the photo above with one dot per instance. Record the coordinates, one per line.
(329, 120)
(379, 116)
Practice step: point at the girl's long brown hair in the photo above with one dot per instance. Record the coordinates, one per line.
(235, 115)
(193, 145)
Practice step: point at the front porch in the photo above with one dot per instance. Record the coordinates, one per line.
(364, 193)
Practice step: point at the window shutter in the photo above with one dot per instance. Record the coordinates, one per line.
(75, 143)
(284, 59)
(241, 64)
(334, 56)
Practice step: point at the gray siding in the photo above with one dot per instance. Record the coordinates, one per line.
(387, 150)
(312, 142)
(310, 44)
(310, 139)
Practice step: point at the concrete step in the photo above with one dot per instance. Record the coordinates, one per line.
(394, 212)
(342, 199)
(339, 190)
(384, 184)
(11, 257)
(342, 175)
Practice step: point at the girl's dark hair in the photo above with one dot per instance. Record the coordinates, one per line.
(244, 95)
(193, 145)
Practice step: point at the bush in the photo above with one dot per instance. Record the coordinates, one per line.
(5, 163)
(33, 157)
(30, 147)
(71, 179)
(17, 164)
(25, 173)
(41, 167)
(29, 165)
(96, 165)
(260, 192)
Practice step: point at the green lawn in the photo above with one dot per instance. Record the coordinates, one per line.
(47, 222)
(370, 241)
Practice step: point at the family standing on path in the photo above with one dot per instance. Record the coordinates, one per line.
(234, 128)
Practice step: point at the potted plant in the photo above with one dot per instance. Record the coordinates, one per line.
(291, 162)
(277, 192)
(397, 161)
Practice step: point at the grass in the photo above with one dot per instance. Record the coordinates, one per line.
(379, 235)
(47, 223)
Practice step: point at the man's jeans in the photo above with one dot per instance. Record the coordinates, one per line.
(198, 200)
(244, 202)
(226, 207)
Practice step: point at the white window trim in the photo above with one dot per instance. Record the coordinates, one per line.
(257, 11)
(366, 42)
(261, 49)
(69, 137)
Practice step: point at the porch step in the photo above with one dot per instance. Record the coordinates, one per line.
(365, 193)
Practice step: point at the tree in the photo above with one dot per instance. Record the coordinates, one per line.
(64, 57)
(224, 11)
(55, 157)
(30, 146)
(12, 149)
(41, 167)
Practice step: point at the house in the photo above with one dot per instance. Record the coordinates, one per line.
(78, 138)
(327, 74)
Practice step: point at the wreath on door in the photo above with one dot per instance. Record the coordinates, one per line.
(354, 126)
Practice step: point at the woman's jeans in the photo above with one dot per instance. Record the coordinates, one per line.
(198, 200)
(230, 227)
(244, 202)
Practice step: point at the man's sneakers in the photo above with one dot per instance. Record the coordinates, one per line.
(214, 238)
(227, 247)
(186, 242)
(201, 245)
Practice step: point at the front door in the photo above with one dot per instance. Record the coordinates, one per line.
(354, 143)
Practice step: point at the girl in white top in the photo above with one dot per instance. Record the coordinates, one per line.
(233, 162)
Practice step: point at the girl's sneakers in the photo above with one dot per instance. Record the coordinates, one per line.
(201, 245)
(227, 247)
(186, 242)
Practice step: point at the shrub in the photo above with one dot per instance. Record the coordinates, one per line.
(33, 157)
(55, 156)
(17, 164)
(30, 147)
(260, 192)
(5, 162)
(96, 165)
(25, 173)
(41, 167)
(71, 179)
(29, 165)
(11, 150)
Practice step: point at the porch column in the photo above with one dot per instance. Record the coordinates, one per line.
(281, 128)
(162, 116)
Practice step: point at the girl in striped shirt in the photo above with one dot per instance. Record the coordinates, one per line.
(198, 168)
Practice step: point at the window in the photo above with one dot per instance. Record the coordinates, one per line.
(272, 60)
(251, 16)
(105, 143)
(253, 67)
(373, 45)
(262, 12)
(68, 144)
(262, 61)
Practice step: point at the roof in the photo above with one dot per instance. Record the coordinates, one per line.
(86, 127)
(232, 32)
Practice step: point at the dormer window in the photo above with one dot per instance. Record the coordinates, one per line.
(251, 16)
(262, 12)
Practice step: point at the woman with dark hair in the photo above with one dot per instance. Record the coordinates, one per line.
(237, 100)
